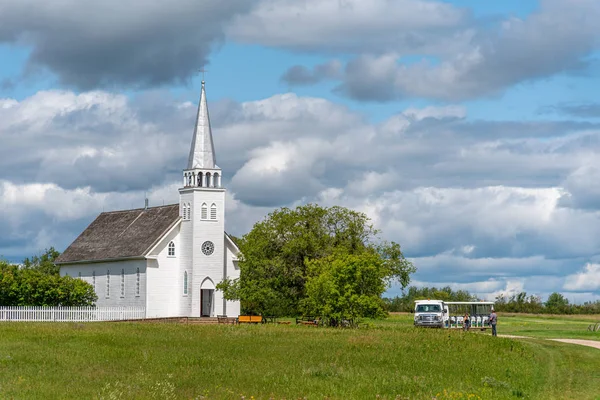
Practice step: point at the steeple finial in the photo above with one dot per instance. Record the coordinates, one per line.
(202, 152)
(204, 71)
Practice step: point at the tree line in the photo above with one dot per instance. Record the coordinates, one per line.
(555, 304)
(406, 302)
(37, 282)
(517, 303)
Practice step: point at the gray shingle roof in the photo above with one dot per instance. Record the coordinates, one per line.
(121, 234)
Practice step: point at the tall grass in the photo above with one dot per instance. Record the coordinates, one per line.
(130, 361)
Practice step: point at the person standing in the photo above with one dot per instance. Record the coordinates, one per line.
(493, 321)
(466, 321)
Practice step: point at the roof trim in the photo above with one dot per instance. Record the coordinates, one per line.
(104, 260)
(232, 242)
(161, 237)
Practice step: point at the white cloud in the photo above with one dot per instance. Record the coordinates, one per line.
(586, 280)
(352, 25)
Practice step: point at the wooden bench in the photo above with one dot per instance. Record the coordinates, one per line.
(307, 320)
(224, 319)
(250, 319)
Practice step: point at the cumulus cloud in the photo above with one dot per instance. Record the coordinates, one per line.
(555, 39)
(122, 43)
(354, 25)
(586, 280)
(94, 138)
(300, 75)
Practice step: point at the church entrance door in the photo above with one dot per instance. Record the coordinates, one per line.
(207, 296)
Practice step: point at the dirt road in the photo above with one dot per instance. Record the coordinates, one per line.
(590, 343)
(582, 342)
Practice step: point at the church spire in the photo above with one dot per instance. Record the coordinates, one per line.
(202, 152)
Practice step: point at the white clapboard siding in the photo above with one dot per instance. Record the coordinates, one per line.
(71, 314)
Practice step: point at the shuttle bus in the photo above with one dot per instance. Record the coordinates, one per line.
(450, 314)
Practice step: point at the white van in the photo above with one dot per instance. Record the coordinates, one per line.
(433, 313)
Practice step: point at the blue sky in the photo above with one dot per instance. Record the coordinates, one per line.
(467, 130)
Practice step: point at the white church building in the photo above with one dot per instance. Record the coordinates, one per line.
(166, 259)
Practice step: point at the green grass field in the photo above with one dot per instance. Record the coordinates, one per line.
(388, 360)
(563, 327)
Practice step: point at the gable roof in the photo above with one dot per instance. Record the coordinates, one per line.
(121, 235)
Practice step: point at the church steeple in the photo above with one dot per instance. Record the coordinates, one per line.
(202, 152)
(202, 170)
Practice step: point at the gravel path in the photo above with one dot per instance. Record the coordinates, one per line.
(590, 343)
(582, 342)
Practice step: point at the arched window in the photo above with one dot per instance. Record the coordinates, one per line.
(122, 283)
(108, 283)
(207, 178)
(200, 178)
(137, 282)
(204, 214)
(217, 180)
(189, 211)
(185, 283)
(213, 211)
(171, 249)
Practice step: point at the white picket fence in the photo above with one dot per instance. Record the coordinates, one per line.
(71, 314)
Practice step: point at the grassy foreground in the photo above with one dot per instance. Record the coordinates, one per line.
(389, 361)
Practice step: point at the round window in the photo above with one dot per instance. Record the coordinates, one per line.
(208, 247)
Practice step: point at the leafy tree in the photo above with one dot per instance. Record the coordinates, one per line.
(36, 287)
(347, 287)
(44, 262)
(277, 252)
(557, 303)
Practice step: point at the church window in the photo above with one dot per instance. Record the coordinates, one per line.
(208, 179)
(200, 179)
(137, 282)
(171, 249)
(213, 211)
(204, 214)
(208, 247)
(108, 283)
(217, 180)
(185, 283)
(122, 283)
